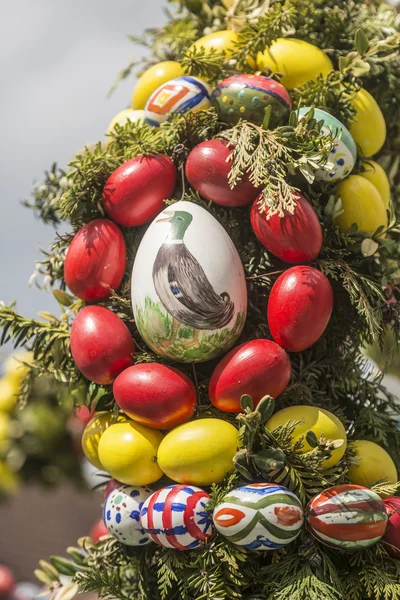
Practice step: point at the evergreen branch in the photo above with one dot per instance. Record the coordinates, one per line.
(208, 64)
(47, 195)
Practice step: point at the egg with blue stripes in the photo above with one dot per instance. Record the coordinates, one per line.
(121, 514)
(177, 517)
(181, 94)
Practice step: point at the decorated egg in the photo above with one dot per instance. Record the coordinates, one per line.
(348, 517)
(371, 464)
(98, 530)
(101, 344)
(392, 534)
(368, 127)
(256, 368)
(247, 96)
(294, 238)
(220, 41)
(178, 95)
(259, 516)
(121, 514)
(177, 517)
(315, 419)
(207, 169)
(377, 175)
(122, 118)
(189, 292)
(93, 432)
(155, 395)
(362, 205)
(209, 447)
(343, 155)
(152, 78)
(135, 192)
(299, 307)
(298, 60)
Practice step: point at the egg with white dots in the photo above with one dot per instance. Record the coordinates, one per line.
(121, 514)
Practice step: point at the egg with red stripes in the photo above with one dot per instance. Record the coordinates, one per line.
(121, 514)
(349, 517)
(260, 516)
(177, 517)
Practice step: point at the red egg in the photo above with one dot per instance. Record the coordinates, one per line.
(392, 535)
(98, 530)
(293, 238)
(95, 261)
(155, 395)
(299, 308)
(83, 414)
(111, 486)
(7, 582)
(257, 368)
(134, 194)
(207, 170)
(101, 344)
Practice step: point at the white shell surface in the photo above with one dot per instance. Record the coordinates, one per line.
(121, 514)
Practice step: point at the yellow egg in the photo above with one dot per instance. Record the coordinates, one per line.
(9, 480)
(199, 452)
(362, 204)
(298, 60)
(128, 451)
(13, 366)
(221, 41)
(93, 432)
(152, 79)
(315, 419)
(126, 115)
(9, 387)
(371, 464)
(368, 128)
(377, 175)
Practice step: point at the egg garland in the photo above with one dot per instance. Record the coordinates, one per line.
(391, 538)
(347, 517)
(371, 464)
(121, 514)
(152, 78)
(177, 517)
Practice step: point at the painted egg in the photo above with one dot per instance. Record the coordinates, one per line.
(93, 432)
(189, 297)
(220, 41)
(343, 155)
(362, 205)
(371, 464)
(155, 395)
(294, 238)
(247, 97)
(152, 78)
(177, 517)
(121, 514)
(349, 517)
(377, 175)
(209, 447)
(98, 530)
(178, 95)
(135, 192)
(122, 118)
(392, 535)
(299, 307)
(259, 516)
(317, 420)
(369, 127)
(256, 368)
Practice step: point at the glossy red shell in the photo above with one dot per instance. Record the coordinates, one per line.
(101, 344)
(98, 530)
(95, 261)
(257, 368)
(294, 238)
(207, 170)
(392, 535)
(135, 192)
(7, 582)
(155, 395)
(299, 307)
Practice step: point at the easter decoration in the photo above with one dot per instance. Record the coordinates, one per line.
(227, 259)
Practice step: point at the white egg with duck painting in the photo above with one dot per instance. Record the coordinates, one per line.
(189, 293)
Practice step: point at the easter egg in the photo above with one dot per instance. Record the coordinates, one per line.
(347, 517)
(377, 175)
(121, 514)
(98, 530)
(368, 127)
(207, 170)
(9, 387)
(371, 464)
(189, 292)
(176, 517)
(259, 516)
(177, 96)
(294, 238)
(362, 205)
(122, 118)
(298, 60)
(95, 261)
(128, 451)
(152, 78)
(317, 420)
(135, 192)
(7, 582)
(392, 534)
(155, 395)
(209, 447)
(220, 41)
(343, 155)
(247, 96)
(111, 486)
(93, 432)
(101, 344)
(299, 307)
(15, 365)
(256, 368)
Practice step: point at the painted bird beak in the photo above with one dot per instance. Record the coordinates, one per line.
(169, 214)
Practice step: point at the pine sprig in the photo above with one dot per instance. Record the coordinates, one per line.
(47, 194)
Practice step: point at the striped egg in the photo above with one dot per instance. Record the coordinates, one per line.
(349, 517)
(121, 514)
(176, 517)
(260, 516)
